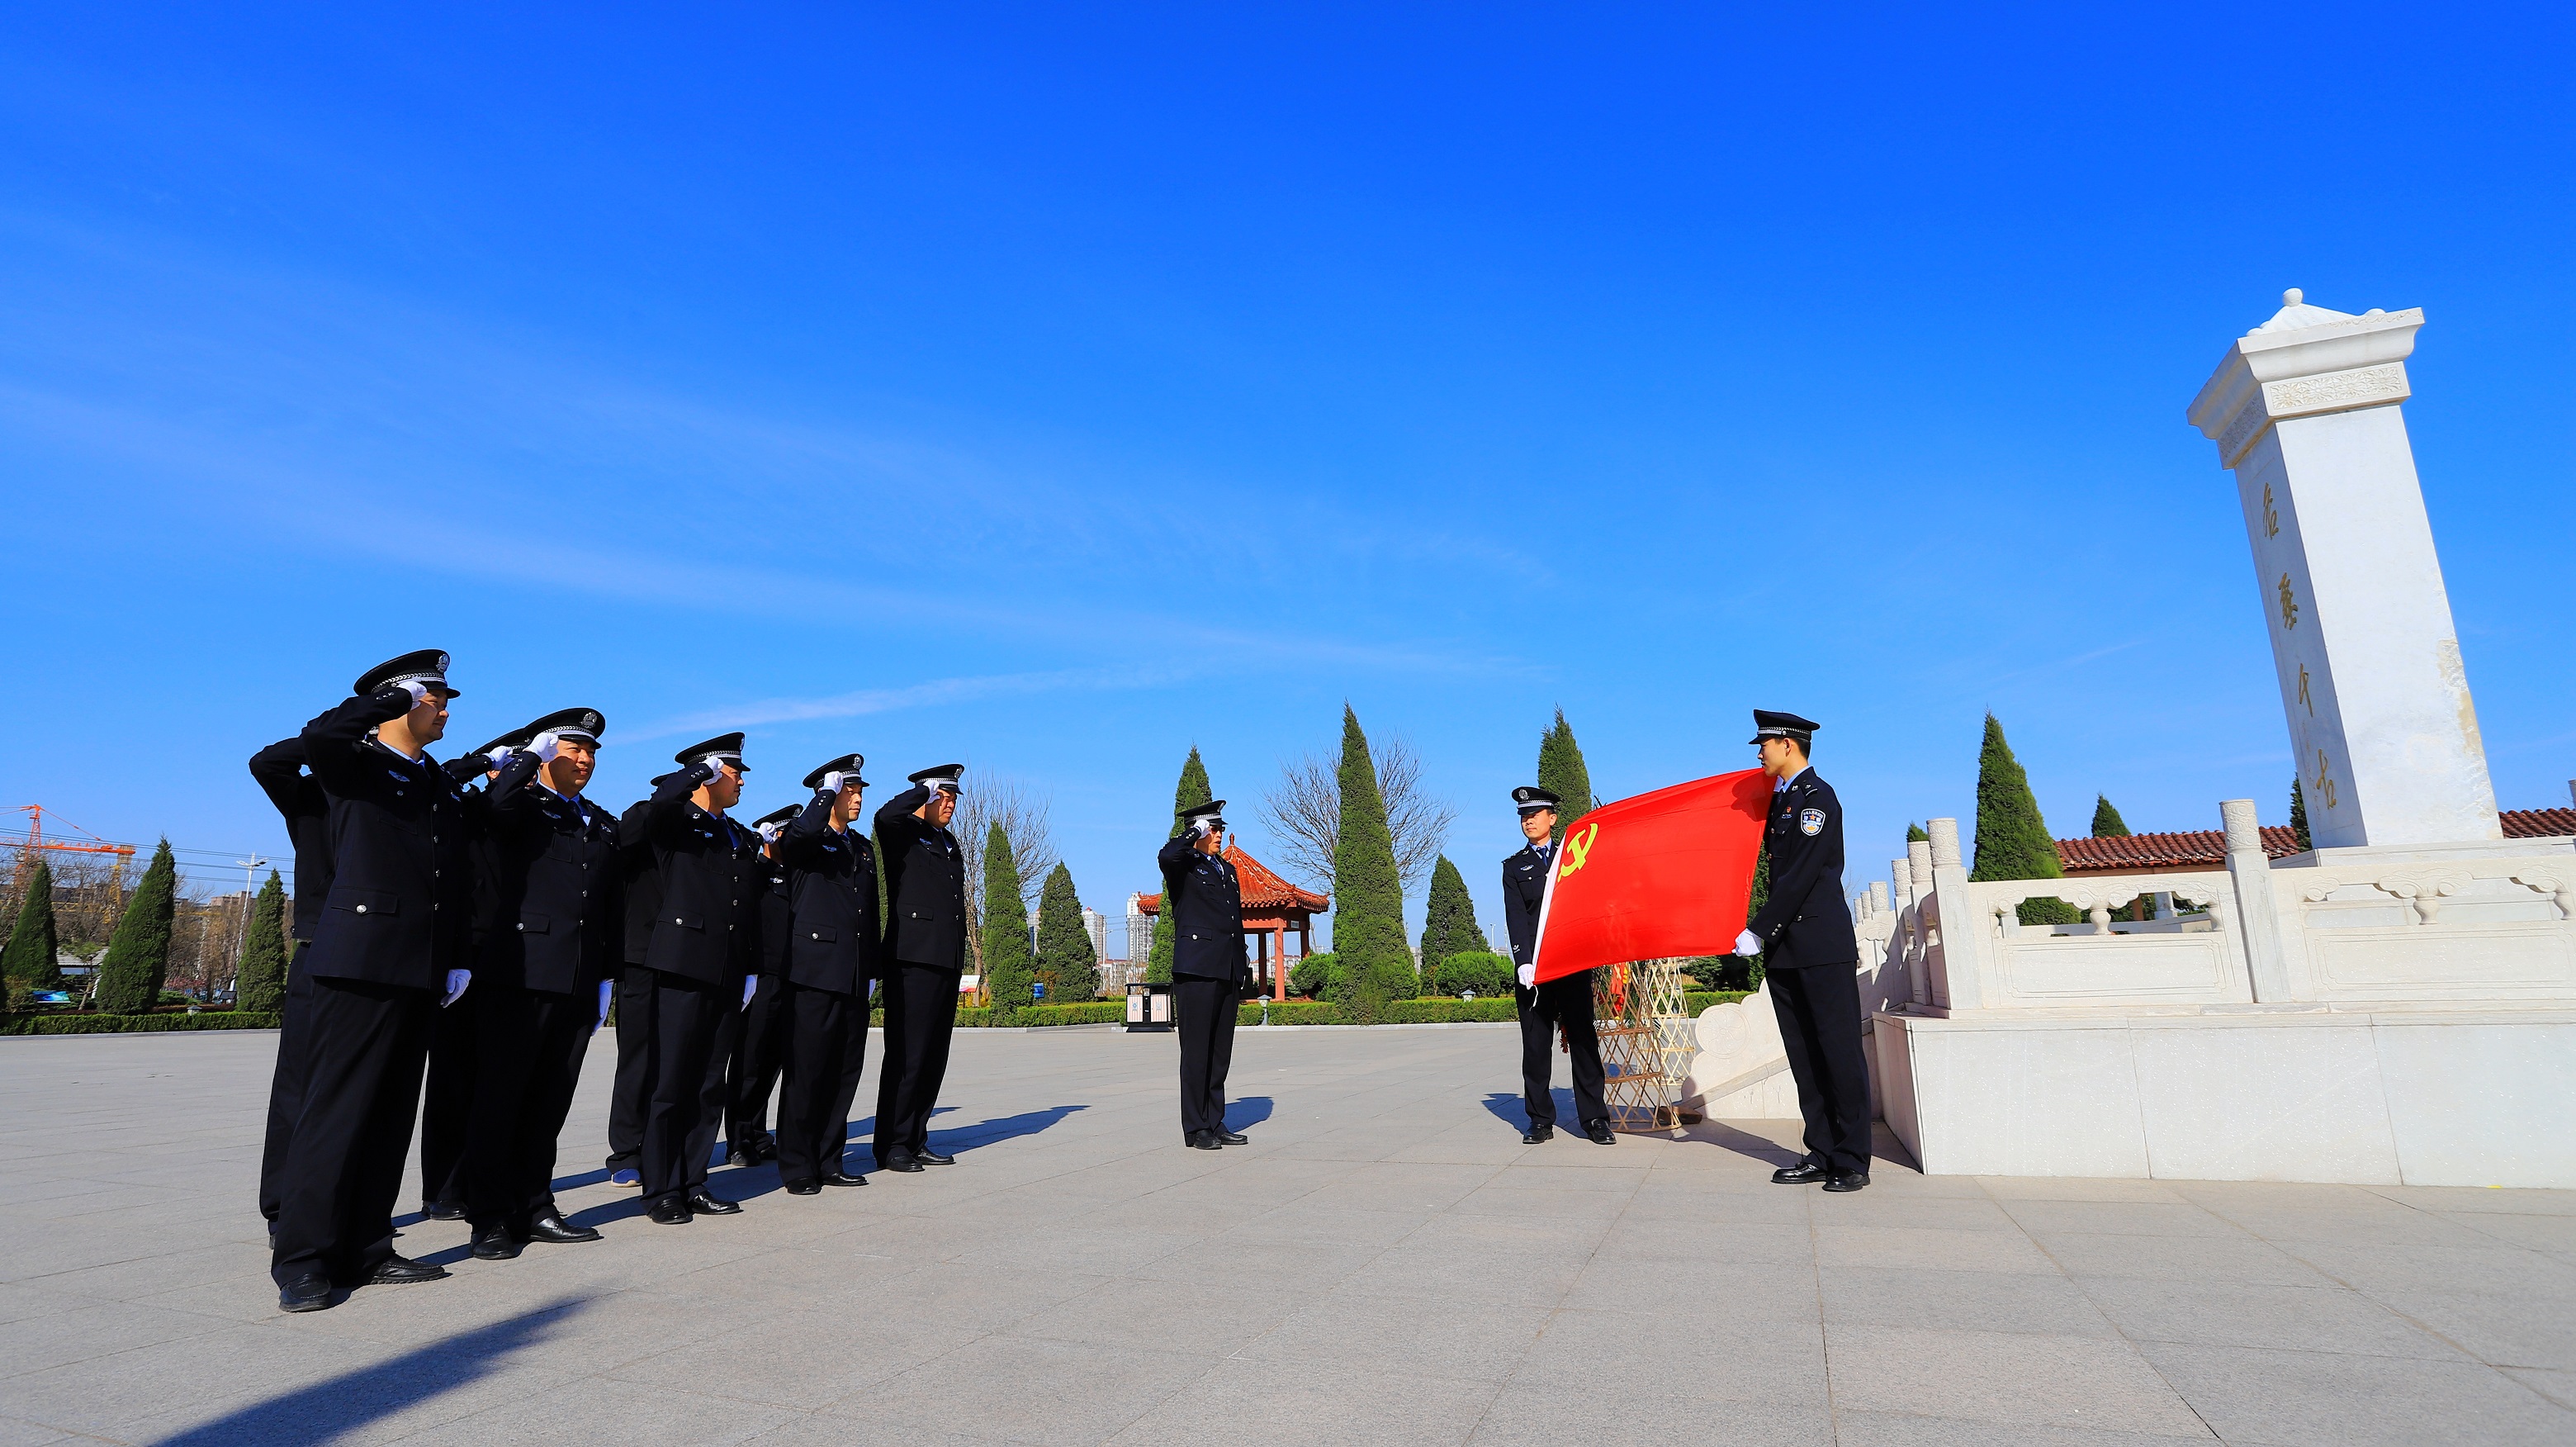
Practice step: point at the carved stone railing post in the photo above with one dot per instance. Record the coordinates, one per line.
(2258, 921)
(1967, 944)
(1917, 875)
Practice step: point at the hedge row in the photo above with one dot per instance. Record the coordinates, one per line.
(87, 1024)
(1698, 1000)
(984, 1017)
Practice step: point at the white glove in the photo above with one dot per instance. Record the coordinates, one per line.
(1529, 977)
(418, 690)
(606, 987)
(832, 781)
(770, 832)
(1202, 827)
(545, 746)
(1747, 943)
(457, 980)
(715, 768)
(500, 758)
(750, 983)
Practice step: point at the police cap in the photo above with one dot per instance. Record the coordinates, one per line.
(849, 764)
(944, 776)
(427, 666)
(723, 748)
(1530, 798)
(1213, 809)
(779, 815)
(585, 724)
(1771, 724)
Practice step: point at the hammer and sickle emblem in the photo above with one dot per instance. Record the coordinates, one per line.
(1578, 848)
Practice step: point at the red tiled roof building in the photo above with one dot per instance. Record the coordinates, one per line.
(2207, 848)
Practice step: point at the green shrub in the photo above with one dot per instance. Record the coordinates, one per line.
(1292, 1012)
(1489, 975)
(1697, 1000)
(1314, 976)
(1448, 1012)
(93, 1024)
(1087, 1012)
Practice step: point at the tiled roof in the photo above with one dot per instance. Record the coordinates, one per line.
(1264, 892)
(2207, 848)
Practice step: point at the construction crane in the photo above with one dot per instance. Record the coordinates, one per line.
(36, 840)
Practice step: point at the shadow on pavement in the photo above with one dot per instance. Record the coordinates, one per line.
(1001, 1128)
(1512, 1111)
(330, 1410)
(1250, 1110)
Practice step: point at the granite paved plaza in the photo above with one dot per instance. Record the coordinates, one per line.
(1387, 1263)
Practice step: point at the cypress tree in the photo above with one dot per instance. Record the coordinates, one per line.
(1008, 971)
(2013, 841)
(138, 954)
(1561, 772)
(259, 982)
(1368, 908)
(29, 959)
(1914, 832)
(1065, 957)
(2299, 814)
(1191, 790)
(1448, 922)
(2107, 823)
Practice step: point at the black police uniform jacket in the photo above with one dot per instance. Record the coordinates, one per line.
(832, 889)
(279, 768)
(401, 902)
(551, 917)
(1524, 890)
(777, 913)
(1205, 899)
(1805, 918)
(925, 885)
(706, 921)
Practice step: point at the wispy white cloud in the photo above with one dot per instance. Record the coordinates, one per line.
(756, 713)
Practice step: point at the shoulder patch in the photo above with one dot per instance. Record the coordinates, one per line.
(1811, 821)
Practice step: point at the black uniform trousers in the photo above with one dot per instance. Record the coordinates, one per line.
(285, 1088)
(1819, 1010)
(827, 1045)
(528, 1050)
(921, 1015)
(1203, 1015)
(684, 1085)
(1558, 1003)
(752, 1068)
(447, 1101)
(344, 1164)
(634, 998)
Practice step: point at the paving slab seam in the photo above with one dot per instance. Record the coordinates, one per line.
(2500, 1369)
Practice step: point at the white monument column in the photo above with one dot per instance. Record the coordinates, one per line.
(2305, 410)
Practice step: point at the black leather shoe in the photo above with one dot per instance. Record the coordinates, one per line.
(804, 1188)
(442, 1211)
(309, 1292)
(740, 1157)
(766, 1150)
(905, 1164)
(934, 1158)
(1234, 1137)
(1804, 1173)
(1204, 1140)
(669, 1212)
(554, 1228)
(843, 1178)
(493, 1243)
(403, 1271)
(1847, 1181)
(707, 1203)
(1538, 1135)
(1599, 1133)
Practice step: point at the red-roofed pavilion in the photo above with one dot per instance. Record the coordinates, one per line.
(1272, 909)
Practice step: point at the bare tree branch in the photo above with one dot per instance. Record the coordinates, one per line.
(1304, 812)
(1023, 814)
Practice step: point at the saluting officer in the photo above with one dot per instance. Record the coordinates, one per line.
(1562, 1004)
(926, 941)
(447, 1097)
(759, 1049)
(390, 948)
(546, 950)
(280, 770)
(1209, 973)
(698, 959)
(831, 955)
(1807, 930)
(641, 881)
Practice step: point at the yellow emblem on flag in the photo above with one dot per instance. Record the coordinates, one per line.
(1578, 848)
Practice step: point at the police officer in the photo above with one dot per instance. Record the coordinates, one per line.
(641, 882)
(830, 957)
(390, 948)
(280, 770)
(1563, 1004)
(1209, 973)
(698, 963)
(759, 1047)
(447, 1097)
(546, 948)
(1806, 928)
(926, 942)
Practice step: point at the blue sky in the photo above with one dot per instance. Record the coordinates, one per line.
(1054, 389)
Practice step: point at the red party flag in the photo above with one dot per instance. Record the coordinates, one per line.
(1663, 874)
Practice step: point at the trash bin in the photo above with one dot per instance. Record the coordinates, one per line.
(1149, 1007)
